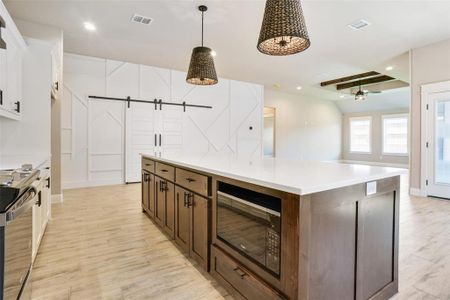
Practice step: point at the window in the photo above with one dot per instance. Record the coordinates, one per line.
(360, 134)
(395, 134)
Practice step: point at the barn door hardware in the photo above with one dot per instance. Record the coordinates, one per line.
(156, 102)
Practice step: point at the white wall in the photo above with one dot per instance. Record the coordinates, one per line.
(93, 131)
(376, 155)
(306, 128)
(428, 64)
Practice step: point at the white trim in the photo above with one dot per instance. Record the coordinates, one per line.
(91, 183)
(425, 91)
(57, 198)
(417, 192)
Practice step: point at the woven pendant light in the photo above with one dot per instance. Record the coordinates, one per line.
(283, 30)
(201, 68)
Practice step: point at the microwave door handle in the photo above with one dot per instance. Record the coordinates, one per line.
(248, 203)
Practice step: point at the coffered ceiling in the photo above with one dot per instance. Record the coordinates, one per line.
(232, 28)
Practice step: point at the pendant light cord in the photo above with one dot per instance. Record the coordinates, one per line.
(202, 28)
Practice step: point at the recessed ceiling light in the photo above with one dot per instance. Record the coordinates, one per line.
(213, 53)
(389, 68)
(342, 96)
(299, 88)
(89, 26)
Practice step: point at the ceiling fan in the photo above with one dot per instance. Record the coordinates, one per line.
(361, 95)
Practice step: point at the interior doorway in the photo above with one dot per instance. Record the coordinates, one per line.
(436, 130)
(269, 131)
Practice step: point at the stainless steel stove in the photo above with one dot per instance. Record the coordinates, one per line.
(17, 197)
(13, 183)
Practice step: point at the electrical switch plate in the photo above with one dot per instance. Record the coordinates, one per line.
(371, 188)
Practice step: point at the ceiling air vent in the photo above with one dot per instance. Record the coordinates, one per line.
(359, 24)
(141, 19)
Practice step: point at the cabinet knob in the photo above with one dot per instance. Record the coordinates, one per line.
(190, 180)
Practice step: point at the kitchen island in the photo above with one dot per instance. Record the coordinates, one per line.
(270, 228)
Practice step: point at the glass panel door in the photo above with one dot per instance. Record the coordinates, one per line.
(438, 154)
(442, 142)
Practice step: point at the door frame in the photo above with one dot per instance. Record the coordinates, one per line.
(426, 91)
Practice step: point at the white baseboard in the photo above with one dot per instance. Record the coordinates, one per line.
(417, 192)
(57, 198)
(92, 183)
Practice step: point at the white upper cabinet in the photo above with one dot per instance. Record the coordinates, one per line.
(11, 103)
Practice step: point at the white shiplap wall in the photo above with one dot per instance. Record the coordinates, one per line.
(94, 132)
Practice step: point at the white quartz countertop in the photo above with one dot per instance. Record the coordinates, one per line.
(293, 176)
(16, 161)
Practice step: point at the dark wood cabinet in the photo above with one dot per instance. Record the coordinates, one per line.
(191, 224)
(169, 212)
(160, 199)
(375, 253)
(145, 191)
(151, 196)
(165, 205)
(182, 219)
(335, 244)
(199, 229)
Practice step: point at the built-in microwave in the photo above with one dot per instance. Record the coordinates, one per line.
(249, 222)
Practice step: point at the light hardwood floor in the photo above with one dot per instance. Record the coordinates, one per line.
(99, 245)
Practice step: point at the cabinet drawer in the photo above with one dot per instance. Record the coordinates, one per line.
(165, 171)
(242, 281)
(148, 165)
(193, 181)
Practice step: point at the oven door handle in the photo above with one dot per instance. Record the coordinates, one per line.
(12, 215)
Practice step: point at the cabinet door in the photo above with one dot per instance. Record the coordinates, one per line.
(160, 196)
(199, 229)
(14, 72)
(2, 78)
(182, 218)
(45, 203)
(151, 196)
(145, 190)
(376, 236)
(169, 218)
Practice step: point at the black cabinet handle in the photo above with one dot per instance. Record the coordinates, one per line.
(155, 140)
(163, 186)
(185, 199)
(2, 25)
(48, 182)
(1, 97)
(190, 180)
(17, 106)
(164, 171)
(39, 200)
(160, 139)
(239, 271)
(189, 199)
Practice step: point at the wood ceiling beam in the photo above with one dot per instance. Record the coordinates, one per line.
(349, 78)
(362, 82)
